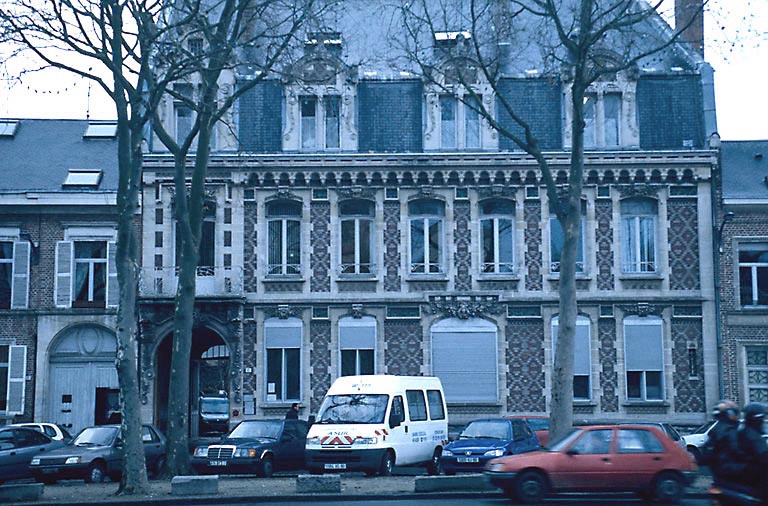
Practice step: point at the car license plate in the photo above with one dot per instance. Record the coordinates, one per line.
(335, 466)
(468, 460)
(51, 470)
(217, 463)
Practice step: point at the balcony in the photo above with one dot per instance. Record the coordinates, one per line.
(161, 282)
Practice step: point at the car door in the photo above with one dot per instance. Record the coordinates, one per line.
(289, 449)
(523, 437)
(397, 427)
(152, 446)
(639, 456)
(587, 464)
(8, 454)
(29, 443)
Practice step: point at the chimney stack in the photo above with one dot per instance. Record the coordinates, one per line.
(688, 13)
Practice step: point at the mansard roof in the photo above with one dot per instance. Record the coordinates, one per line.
(745, 170)
(39, 153)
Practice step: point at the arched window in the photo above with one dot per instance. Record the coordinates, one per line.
(283, 339)
(357, 346)
(638, 234)
(644, 357)
(582, 361)
(427, 218)
(284, 236)
(356, 236)
(497, 232)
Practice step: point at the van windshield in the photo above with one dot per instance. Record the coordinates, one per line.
(214, 406)
(353, 408)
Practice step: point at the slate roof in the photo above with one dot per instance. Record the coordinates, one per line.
(745, 169)
(40, 154)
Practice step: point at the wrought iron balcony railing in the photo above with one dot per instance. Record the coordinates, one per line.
(210, 282)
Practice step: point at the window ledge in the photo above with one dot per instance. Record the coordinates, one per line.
(357, 277)
(641, 275)
(754, 309)
(585, 402)
(427, 277)
(583, 276)
(278, 278)
(488, 276)
(646, 403)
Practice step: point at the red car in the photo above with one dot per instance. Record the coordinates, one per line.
(540, 425)
(600, 458)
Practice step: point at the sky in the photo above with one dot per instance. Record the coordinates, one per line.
(735, 31)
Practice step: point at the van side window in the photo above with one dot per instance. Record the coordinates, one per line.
(417, 408)
(397, 413)
(435, 399)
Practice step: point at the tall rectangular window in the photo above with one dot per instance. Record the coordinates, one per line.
(447, 121)
(4, 368)
(332, 109)
(426, 236)
(308, 122)
(644, 358)
(757, 374)
(557, 241)
(90, 283)
(184, 115)
(611, 118)
(283, 356)
(320, 122)
(357, 345)
(582, 389)
(356, 236)
(638, 235)
(753, 274)
(497, 230)
(472, 122)
(284, 237)
(6, 274)
(590, 120)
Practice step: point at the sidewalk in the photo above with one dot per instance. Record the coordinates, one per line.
(251, 489)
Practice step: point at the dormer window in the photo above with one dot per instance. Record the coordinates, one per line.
(602, 118)
(320, 122)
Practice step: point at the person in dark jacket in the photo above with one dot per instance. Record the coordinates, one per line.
(755, 450)
(721, 452)
(293, 413)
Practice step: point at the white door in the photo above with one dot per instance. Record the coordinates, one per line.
(398, 437)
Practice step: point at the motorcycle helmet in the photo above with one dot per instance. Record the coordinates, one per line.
(726, 410)
(754, 414)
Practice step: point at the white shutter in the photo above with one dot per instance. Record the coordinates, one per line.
(113, 288)
(62, 296)
(20, 284)
(17, 372)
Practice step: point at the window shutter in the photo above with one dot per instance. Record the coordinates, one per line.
(17, 372)
(20, 286)
(63, 288)
(113, 288)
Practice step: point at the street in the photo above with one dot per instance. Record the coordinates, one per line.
(495, 501)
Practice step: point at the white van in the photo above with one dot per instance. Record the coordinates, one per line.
(371, 423)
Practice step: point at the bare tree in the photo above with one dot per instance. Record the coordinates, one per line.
(110, 43)
(223, 30)
(577, 42)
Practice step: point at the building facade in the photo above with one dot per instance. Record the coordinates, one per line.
(366, 220)
(742, 253)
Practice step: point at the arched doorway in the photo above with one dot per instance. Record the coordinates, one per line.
(83, 387)
(208, 374)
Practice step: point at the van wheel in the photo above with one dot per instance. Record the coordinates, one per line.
(387, 463)
(433, 468)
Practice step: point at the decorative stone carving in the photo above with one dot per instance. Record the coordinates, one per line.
(465, 307)
(283, 193)
(639, 190)
(356, 192)
(496, 190)
(643, 309)
(357, 311)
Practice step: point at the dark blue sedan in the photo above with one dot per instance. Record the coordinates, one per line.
(483, 440)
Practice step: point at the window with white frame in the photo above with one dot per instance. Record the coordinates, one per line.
(460, 347)
(753, 274)
(757, 373)
(320, 122)
(557, 240)
(602, 119)
(357, 346)
(284, 237)
(644, 358)
(13, 367)
(283, 338)
(639, 217)
(427, 218)
(497, 232)
(14, 274)
(86, 271)
(582, 361)
(460, 125)
(356, 236)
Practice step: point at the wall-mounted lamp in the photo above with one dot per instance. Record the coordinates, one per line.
(728, 216)
(34, 256)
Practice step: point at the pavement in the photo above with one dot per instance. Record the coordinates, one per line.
(281, 488)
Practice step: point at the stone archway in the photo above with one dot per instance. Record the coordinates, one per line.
(209, 373)
(83, 386)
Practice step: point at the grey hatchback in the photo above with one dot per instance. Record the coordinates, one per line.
(95, 453)
(18, 445)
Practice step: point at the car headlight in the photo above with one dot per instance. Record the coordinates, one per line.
(73, 460)
(245, 452)
(495, 467)
(201, 451)
(447, 453)
(34, 462)
(365, 441)
(498, 452)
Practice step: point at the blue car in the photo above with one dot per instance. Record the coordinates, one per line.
(486, 439)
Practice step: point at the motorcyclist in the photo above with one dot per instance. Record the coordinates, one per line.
(754, 450)
(721, 452)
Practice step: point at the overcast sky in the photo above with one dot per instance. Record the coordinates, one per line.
(735, 30)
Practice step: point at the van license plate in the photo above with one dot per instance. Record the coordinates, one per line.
(335, 466)
(217, 463)
(468, 460)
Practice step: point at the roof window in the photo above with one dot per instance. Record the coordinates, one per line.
(8, 128)
(83, 177)
(103, 130)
